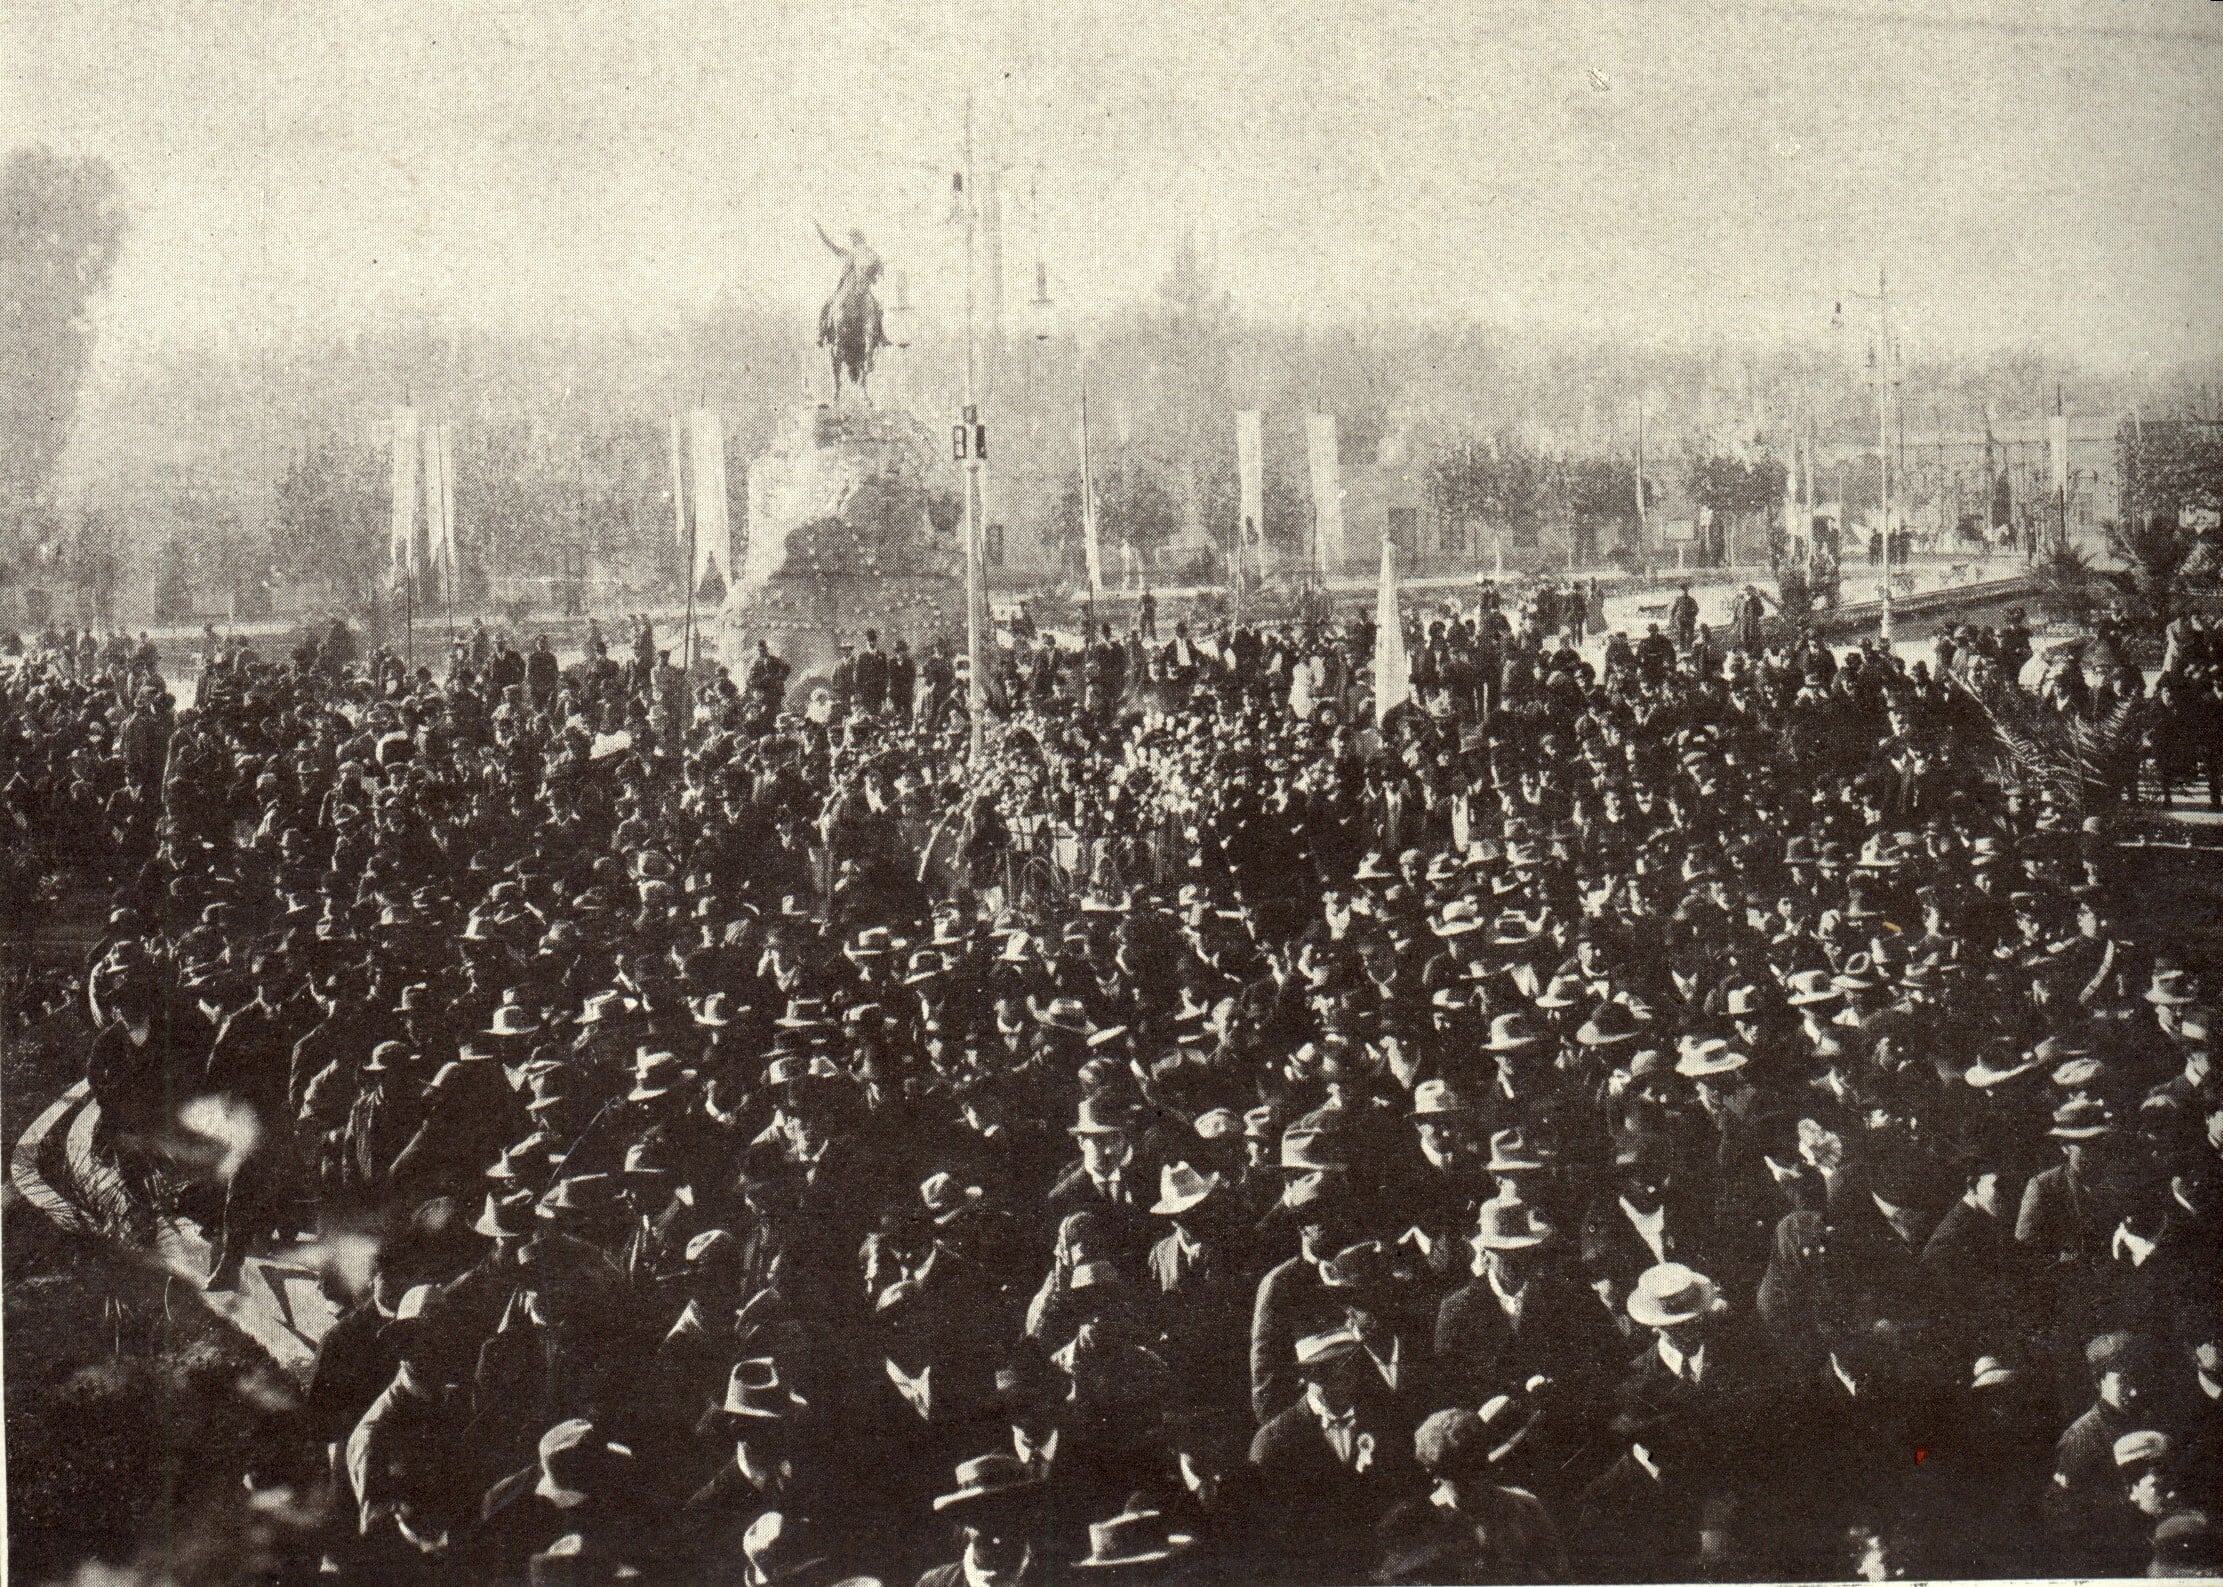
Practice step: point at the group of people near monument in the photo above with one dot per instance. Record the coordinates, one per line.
(1697, 1117)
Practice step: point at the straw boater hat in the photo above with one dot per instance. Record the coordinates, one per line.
(2168, 989)
(1671, 1294)
(1066, 1014)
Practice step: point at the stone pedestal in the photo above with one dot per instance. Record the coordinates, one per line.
(842, 536)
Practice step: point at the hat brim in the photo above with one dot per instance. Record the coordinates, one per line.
(1706, 1070)
(1179, 1540)
(1647, 1314)
(965, 1498)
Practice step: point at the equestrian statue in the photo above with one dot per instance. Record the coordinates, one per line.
(849, 325)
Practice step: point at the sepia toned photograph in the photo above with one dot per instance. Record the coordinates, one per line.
(1035, 793)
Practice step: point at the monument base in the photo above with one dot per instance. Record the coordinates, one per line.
(848, 529)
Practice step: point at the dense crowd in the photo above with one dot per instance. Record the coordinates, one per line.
(1693, 1117)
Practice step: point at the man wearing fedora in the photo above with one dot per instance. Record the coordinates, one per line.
(1475, 1525)
(1329, 1466)
(580, 1483)
(997, 1511)
(1293, 1298)
(1526, 1324)
(1204, 1281)
(1700, 1369)
(1112, 1177)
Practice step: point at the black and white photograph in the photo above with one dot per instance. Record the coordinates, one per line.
(1051, 793)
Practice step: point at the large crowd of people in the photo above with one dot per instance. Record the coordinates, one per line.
(1693, 1116)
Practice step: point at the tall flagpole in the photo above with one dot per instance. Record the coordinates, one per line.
(973, 431)
(1091, 548)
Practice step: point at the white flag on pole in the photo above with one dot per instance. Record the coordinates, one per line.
(1092, 546)
(712, 545)
(679, 484)
(439, 490)
(1791, 527)
(1250, 477)
(1322, 451)
(1393, 670)
(402, 543)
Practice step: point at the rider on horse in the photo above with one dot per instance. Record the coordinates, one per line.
(849, 324)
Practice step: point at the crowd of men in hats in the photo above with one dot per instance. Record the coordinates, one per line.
(1689, 1120)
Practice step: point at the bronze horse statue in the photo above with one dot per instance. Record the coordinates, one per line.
(849, 325)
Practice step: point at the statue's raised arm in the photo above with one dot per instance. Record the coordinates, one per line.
(849, 326)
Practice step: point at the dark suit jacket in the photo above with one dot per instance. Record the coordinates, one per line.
(1563, 1334)
(1131, 1224)
(1326, 1511)
(1722, 1410)
(2060, 1217)
(1611, 1247)
(1977, 1275)
(1291, 1303)
(1203, 1317)
(1632, 1527)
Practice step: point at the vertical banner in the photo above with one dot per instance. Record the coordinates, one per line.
(439, 502)
(1393, 672)
(1092, 547)
(679, 486)
(712, 547)
(1792, 529)
(402, 544)
(1327, 492)
(1250, 478)
(2057, 443)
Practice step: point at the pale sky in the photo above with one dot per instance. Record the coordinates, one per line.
(2031, 171)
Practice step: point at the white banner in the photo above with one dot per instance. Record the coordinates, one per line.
(439, 489)
(1092, 545)
(1250, 475)
(713, 546)
(402, 542)
(1393, 672)
(679, 485)
(1792, 528)
(1327, 491)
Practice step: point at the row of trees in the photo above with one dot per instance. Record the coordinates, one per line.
(528, 506)
(1503, 483)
